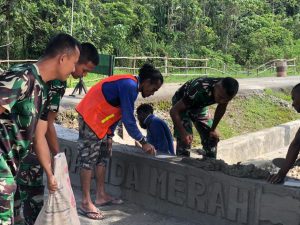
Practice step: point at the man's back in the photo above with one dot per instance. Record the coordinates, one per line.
(197, 93)
(159, 135)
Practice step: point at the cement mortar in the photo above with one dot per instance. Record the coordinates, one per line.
(294, 173)
(236, 170)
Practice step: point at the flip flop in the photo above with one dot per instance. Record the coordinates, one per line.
(90, 214)
(104, 203)
(117, 201)
(114, 201)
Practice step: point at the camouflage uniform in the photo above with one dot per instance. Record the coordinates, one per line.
(30, 191)
(196, 94)
(22, 94)
(92, 150)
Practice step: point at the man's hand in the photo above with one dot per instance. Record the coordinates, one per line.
(109, 146)
(187, 138)
(52, 184)
(277, 178)
(214, 134)
(149, 149)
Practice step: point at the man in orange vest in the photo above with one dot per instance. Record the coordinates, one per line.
(99, 112)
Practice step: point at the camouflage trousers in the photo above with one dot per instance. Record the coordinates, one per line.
(202, 122)
(92, 151)
(7, 191)
(30, 190)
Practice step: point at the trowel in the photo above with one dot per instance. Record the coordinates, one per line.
(279, 162)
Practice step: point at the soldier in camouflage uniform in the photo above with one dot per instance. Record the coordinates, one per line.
(190, 105)
(22, 94)
(30, 176)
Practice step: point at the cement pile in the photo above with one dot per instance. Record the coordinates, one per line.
(294, 173)
(67, 118)
(268, 165)
(236, 170)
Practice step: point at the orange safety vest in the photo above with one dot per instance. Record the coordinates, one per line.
(96, 112)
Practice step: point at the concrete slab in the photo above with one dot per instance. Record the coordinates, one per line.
(252, 145)
(129, 213)
(170, 187)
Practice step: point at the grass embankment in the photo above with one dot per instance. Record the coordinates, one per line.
(248, 113)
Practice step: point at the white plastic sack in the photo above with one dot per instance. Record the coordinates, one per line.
(60, 207)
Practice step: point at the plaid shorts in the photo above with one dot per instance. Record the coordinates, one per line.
(91, 150)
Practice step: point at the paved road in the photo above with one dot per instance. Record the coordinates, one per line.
(168, 89)
(129, 214)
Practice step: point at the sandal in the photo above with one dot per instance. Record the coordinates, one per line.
(113, 201)
(117, 201)
(103, 203)
(91, 215)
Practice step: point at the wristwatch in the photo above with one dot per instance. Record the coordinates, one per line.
(109, 136)
(143, 141)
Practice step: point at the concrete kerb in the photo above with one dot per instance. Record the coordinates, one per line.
(170, 187)
(251, 145)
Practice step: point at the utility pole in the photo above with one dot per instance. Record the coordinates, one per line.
(72, 18)
(8, 5)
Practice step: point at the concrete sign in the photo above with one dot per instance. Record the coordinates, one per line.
(171, 187)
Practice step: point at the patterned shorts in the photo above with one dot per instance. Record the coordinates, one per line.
(91, 150)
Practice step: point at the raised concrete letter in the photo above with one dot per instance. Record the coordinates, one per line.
(196, 189)
(158, 181)
(132, 179)
(117, 172)
(216, 200)
(176, 192)
(238, 204)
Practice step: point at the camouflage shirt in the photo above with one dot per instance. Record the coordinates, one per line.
(22, 94)
(56, 90)
(197, 93)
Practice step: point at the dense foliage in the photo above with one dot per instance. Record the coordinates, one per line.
(244, 32)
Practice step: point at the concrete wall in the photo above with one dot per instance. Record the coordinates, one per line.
(251, 145)
(209, 198)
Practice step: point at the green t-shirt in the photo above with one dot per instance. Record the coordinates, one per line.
(22, 94)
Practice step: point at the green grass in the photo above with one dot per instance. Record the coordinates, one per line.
(92, 78)
(284, 94)
(254, 113)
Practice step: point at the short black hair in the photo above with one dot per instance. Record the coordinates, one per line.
(296, 88)
(88, 53)
(230, 85)
(61, 43)
(148, 71)
(145, 109)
